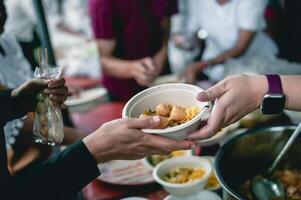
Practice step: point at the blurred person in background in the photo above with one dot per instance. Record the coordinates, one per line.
(14, 71)
(235, 30)
(21, 23)
(132, 37)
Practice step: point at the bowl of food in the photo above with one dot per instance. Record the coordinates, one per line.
(251, 153)
(212, 183)
(181, 113)
(154, 160)
(183, 176)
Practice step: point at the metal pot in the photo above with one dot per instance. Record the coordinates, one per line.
(250, 153)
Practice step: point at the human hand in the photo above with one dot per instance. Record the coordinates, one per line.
(144, 71)
(123, 139)
(234, 97)
(27, 92)
(192, 71)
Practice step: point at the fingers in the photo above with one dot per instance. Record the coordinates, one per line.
(212, 93)
(148, 63)
(214, 125)
(56, 83)
(166, 146)
(59, 99)
(144, 122)
(59, 91)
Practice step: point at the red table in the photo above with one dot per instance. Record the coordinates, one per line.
(98, 190)
(90, 121)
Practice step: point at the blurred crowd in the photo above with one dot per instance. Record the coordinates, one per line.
(128, 44)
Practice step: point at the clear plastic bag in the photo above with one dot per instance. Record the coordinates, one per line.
(48, 122)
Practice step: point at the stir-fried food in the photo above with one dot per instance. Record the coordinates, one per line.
(172, 115)
(291, 180)
(181, 175)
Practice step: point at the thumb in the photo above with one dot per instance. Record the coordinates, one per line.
(212, 93)
(144, 122)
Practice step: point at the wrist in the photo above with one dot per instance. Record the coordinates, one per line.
(259, 86)
(97, 149)
(131, 69)
(14, 94)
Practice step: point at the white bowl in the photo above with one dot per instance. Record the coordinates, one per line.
(147, 162)
(175, 93)
(187, 188)
(87, 100)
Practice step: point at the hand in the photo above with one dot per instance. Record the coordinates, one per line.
(123, 139)
(192, 71)
(27, 92)
(234, 98)
(144, 71)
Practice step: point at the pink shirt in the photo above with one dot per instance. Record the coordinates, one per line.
(137, 34)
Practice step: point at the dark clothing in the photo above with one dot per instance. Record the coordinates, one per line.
(136, 27)
(58, 178)
(293, 14)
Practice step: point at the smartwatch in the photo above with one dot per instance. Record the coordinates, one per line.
(273, 102)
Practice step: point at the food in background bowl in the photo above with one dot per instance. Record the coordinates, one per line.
(175, 94)
(172, 115)
(180, 175)
(193, 180)
(154, 160)
(235, 164)
(291, 180)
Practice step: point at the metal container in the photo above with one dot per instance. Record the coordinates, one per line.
(250, 153)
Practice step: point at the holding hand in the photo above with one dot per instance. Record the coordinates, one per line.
(192, 71)
(123, 139)
(27, 92)
(234, 98)
(144, 71)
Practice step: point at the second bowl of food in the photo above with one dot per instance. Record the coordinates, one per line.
(183, 176)
(181, 113)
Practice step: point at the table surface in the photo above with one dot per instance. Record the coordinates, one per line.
(91, 121)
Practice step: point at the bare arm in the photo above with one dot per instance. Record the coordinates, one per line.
(291, 88)
(111, 65)
(143, 70)
(239, 95)
(160, 58)
(242, 44)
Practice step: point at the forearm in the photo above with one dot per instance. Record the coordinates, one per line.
(291, 88)
(160, 58)
(59, 178)
(232, 53)
(290, 85)
(11, 107)
(116, 67)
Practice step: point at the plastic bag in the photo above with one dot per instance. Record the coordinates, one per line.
(48, 122)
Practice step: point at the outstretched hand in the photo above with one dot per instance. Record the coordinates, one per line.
(122, 139)
(234, 98)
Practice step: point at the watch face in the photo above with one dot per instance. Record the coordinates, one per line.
(273, 104)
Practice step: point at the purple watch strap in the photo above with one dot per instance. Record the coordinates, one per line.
(275, 85)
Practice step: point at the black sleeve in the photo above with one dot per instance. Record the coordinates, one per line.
(10, 108)
(59, 178)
